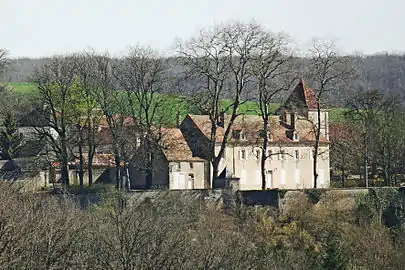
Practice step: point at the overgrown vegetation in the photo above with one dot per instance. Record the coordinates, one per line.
(10, 139)
(370, 140)
(169, 232)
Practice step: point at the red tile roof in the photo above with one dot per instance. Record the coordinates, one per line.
(128, 121)
(302, 97)
(175, 146)
(101, 160)
(310, 96)
(341, 132)
(252, 124)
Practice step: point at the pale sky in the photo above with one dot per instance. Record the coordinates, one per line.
(38, 28)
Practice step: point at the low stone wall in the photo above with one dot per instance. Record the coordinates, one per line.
(207, 197)
(25, 181)
(223, 197)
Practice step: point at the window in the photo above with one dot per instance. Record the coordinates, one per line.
(269, 154)
(297, 154)
(296, 136)
(190, 184)
(311, 153)
(269, 136)
(178, 166)
(236, 134)
(257, 154)
(191, 164)
(282, 155)
(243, 155)
(261, 133)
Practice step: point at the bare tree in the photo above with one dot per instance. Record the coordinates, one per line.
(272, 72)
(6, 97)
(220, 58)
(328, 71)
(89, 114)
(142, 74)
(346, 144)
(112, 102)
(55, 82)
(4, 61)
(378, 120)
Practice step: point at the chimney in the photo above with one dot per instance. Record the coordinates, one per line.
(292, 120)
(178, 119)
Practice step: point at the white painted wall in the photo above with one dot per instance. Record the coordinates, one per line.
(289, 173)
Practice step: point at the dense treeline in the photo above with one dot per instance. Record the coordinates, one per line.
(370, 140)
(383, 72)
(171, 233)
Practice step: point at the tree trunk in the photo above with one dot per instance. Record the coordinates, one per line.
(215, 171)
(90, 156)
(65, 171)
(343, 178)
(264, 152)
(316, 150)
(91, 151)
(81, 163)
(315, 167)
(90, 171)
(64, 162)
(117, 171)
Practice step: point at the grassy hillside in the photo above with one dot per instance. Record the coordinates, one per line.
(175, 103)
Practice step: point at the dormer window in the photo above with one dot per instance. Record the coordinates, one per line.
(238, 135)
(261, 133)
(269, 136)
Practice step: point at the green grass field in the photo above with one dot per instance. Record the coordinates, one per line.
(175, 103)
(23, 88)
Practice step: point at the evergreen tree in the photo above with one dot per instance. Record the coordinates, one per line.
(10, 139)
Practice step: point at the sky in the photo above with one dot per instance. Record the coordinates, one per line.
(36, 28)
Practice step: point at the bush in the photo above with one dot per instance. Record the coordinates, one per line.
(169, 232)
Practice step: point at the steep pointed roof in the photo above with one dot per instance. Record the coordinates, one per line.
(302, 97)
